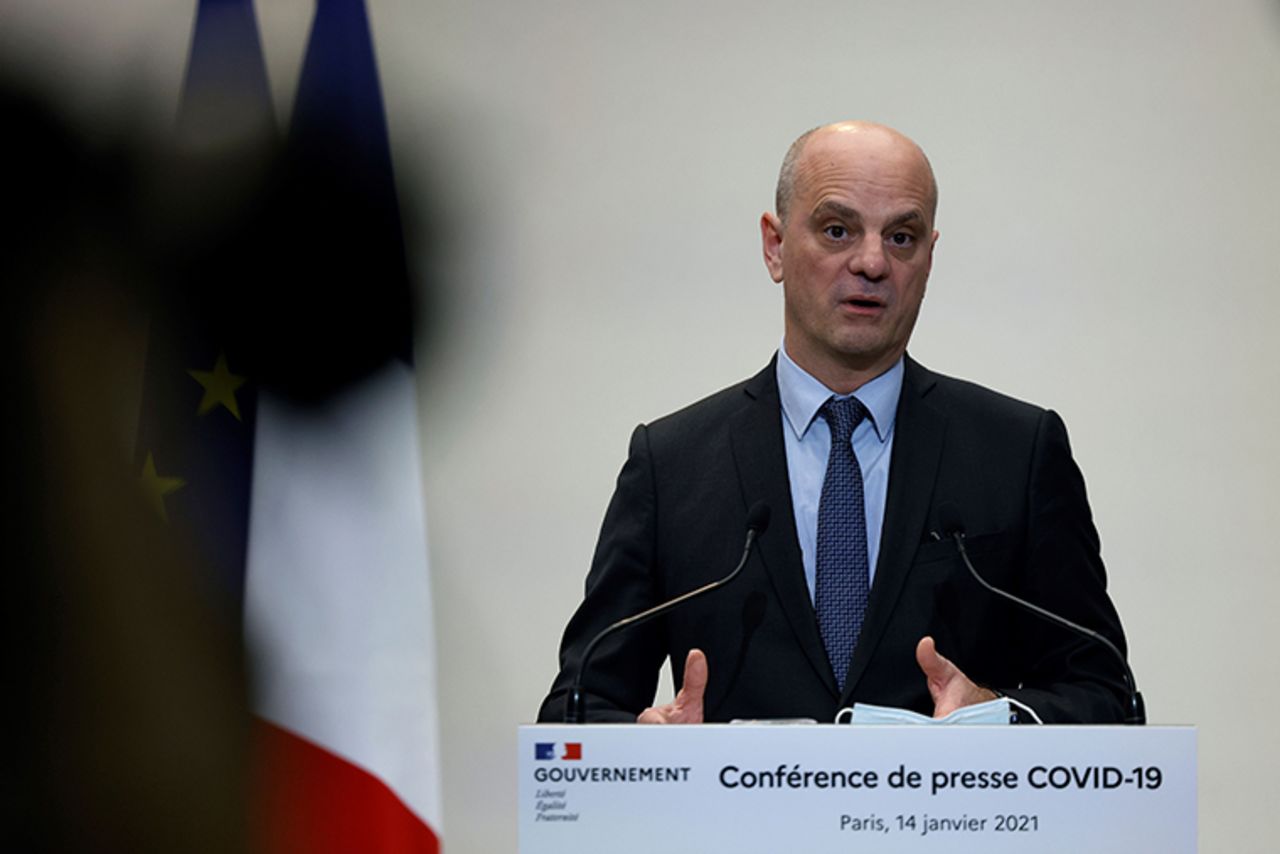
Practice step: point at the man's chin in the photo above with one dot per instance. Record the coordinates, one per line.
(866, 352)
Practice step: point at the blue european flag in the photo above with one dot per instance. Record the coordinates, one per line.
(194, 450)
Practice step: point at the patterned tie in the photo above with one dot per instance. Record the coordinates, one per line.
(843, 580)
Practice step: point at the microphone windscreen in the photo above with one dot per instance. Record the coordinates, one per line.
(949, 519)
(758, 517)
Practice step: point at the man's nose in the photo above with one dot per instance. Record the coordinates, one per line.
(869, 260)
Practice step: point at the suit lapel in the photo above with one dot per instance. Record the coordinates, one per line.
(761, 459)
(917, 448)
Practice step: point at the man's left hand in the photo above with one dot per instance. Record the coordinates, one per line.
(948, 686)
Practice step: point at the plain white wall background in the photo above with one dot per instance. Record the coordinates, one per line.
(1108, 215)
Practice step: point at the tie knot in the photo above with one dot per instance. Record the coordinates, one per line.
(843, 415)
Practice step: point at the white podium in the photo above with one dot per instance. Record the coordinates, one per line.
(778, 789)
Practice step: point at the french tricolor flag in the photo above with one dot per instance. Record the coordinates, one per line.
(330, 558)
(544, 750)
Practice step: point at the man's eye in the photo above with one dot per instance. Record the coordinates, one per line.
(901, 238)
(835, 232)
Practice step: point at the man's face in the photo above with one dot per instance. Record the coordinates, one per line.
(855, 252)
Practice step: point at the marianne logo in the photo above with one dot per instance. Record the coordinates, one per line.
(547, 750)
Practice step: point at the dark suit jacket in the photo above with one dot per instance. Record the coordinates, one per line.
(678, 520)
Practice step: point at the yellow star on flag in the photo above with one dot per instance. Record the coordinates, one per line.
(219, 388)
(155, 487)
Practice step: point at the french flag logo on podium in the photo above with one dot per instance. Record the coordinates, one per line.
(543, 750)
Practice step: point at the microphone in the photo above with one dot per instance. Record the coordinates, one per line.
(953, 527)
(757, 522)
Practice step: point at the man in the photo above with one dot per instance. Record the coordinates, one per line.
(854, 593)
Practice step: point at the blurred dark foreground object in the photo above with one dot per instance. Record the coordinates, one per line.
(292, 261)
(124, 683)
(125, 680)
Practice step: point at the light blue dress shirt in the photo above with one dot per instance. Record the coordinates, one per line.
(808, 443)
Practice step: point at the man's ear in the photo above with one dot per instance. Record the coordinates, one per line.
(771, 242)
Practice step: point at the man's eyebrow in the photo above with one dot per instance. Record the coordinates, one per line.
(830, 207)
(834, 208)
(913, 217)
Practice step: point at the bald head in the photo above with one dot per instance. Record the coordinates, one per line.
(865, 138)
(852, 246)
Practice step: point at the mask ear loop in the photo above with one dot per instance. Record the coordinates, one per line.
(840, 714)
(1023, 706)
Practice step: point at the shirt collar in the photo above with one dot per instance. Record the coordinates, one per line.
(803, 395)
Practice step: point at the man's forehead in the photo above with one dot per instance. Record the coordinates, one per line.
(864, 154)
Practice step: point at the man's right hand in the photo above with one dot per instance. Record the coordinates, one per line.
(686, 708)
